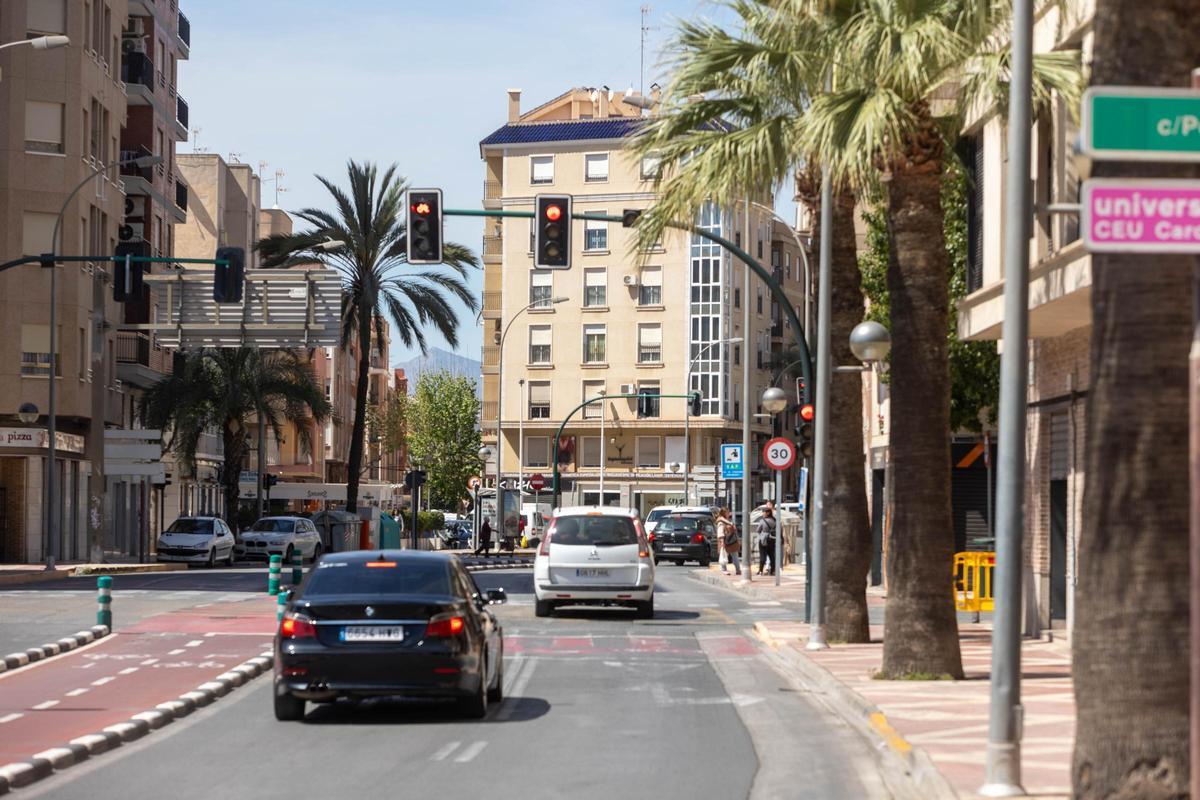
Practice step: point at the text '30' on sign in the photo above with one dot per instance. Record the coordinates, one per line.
(1141, 216)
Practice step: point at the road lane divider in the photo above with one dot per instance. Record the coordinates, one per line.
(104, 600)
(64, 645)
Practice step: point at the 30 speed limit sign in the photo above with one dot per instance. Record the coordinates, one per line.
(779, 453)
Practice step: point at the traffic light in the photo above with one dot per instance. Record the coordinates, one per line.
(424, 226)
(270, 480)
(552, 231)
(414, 478)
(695, 404)
(805, 430)
(128, 283)
(630, 216)
(230, 277)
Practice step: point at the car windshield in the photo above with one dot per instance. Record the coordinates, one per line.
(679, 523)
(191, 526)
(332, 578)
(274, 525)
(597, 531)
(657, 514)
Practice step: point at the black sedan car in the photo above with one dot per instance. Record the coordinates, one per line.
(389, 623)
(684, 537)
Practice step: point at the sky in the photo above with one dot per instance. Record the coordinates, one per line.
(306, 85)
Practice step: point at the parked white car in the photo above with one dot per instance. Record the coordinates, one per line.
(281, 536)
(593, 555)
(197, 540)
(658, 512)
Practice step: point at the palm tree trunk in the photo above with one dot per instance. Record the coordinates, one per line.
(231, 471)
(921, 632)
(847, 527)
(354, 462)
(1130, 639)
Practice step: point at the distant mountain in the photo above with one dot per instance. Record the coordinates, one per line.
(439, 360)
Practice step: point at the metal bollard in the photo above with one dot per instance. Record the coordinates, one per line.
(297, 568)
(280, 601)
(273, 574)
(104, 601)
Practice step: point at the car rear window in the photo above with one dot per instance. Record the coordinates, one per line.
(597, 531)
(340, 577)
(657, 514)
(275, 525)
(679, 523)
(191, 526)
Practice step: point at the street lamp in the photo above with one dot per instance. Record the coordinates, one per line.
(807, 270)
(500, 411)
(687, 416)
(485, 455)
(775, 400)
(48, 260)
(870, 342)
(27, 413)
(40, 43)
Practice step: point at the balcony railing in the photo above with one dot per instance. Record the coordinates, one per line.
(133, 170)
(492, 190)
(133, 348)
(185, 29)
(181, 194)
(491, 356)
(137, 68)
(493, 246)
(491, 302)
(181, 111)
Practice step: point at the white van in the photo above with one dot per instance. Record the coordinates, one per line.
(536, 516)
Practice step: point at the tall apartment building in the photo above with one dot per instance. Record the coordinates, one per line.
(65, 113)
(634, 324)
(1060, 278)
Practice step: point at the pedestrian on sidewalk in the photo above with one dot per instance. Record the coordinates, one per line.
(485, 538)
(728, 543)
(765, 533)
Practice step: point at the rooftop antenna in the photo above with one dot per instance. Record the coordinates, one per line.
(279, 173)
(642, 53)
(196, 140)
(235, 158)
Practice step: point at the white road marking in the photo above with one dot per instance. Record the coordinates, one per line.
(194, 643)
(445, 751)
(764, 603)
(149, 661)
(88, 665)
(45, 705)
(473, 750)
(210, 634)
(203, 605)
(77, 692)
(102, 681)
(516, 689)
(128, 671)
(10, 718)
(176, 651)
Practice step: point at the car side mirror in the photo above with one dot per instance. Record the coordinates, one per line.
(496, 597)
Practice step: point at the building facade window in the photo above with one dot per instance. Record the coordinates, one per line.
(537, 451)
(650, 287)
(541, 169)
(589, 452)
(708, 316)
(649, 405)
(594, 344)
(595, 233)
(35, 351)
(43, 127)
(649, 344)
(46, 16)
(649, 451)
(592, 389)
(595, 167)
(595, 287)
(651, 168)
(539, 344)
(37, 232)
(540, 286)
(539, 400)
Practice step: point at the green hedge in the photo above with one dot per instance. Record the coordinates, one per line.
(430, 521)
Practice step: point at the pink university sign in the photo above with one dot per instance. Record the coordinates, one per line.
(1141, 216)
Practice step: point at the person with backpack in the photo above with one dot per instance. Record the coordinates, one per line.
(766, 541)
(728, 543)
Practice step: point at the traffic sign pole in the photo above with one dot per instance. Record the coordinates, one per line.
(779, 454)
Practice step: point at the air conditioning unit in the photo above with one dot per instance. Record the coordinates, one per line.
(133, 45)
(131, 232)
(628, 388)
(136, 27)
(630, 280)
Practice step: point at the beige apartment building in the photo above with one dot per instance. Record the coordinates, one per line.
(633, 323)
(63, 114)
(1059, 322)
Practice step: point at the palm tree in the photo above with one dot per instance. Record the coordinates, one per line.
(875, 130)
(378, 281)
(230, 388)
(1130, 638)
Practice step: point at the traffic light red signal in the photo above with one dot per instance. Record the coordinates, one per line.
(424, 226)
(807, 413)
(552, 231)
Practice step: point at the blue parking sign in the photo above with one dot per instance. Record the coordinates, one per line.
(733, 462)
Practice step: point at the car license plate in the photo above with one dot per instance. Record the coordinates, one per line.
(591, 573)
(373, 633)
(673, 548)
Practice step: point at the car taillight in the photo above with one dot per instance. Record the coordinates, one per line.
(444, 626)
(296, 627)
(698, 538)
(651, 537)
(643, 544)
(544, 548)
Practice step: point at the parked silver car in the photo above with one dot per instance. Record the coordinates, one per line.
(280, 536)
(197, 540)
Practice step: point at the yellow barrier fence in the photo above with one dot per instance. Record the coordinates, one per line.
(973, 581)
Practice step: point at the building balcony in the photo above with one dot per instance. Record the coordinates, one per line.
(491, 357)
(491, 194)
(184, 32)
(492, 304)
(181, 195)
(137, 73)
(181, 118)
(493, 249)
(138, 363)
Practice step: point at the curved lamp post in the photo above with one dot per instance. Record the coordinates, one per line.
(39, 43)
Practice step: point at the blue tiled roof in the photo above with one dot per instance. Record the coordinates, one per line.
(575, 130)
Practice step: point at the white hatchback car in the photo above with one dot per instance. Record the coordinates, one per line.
(594, 555)
(281, 536)
(196, 540)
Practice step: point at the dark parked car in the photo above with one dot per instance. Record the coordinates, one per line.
(396, 622)
(685, 537)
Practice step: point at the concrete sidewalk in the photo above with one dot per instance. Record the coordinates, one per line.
(17, 574)
(935, 732)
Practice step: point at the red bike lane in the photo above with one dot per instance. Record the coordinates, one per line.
(49, 703)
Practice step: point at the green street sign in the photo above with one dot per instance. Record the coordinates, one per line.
(1141, 123)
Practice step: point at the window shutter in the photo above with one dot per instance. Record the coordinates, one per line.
(540, 278)
(43, 122)
(597, 167)
(539, 335)
(539, 393)
(652, 276)
(46, 16)
(542, 168)
(650, 335)
(595, 277)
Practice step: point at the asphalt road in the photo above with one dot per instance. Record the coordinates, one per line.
(598, 705)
